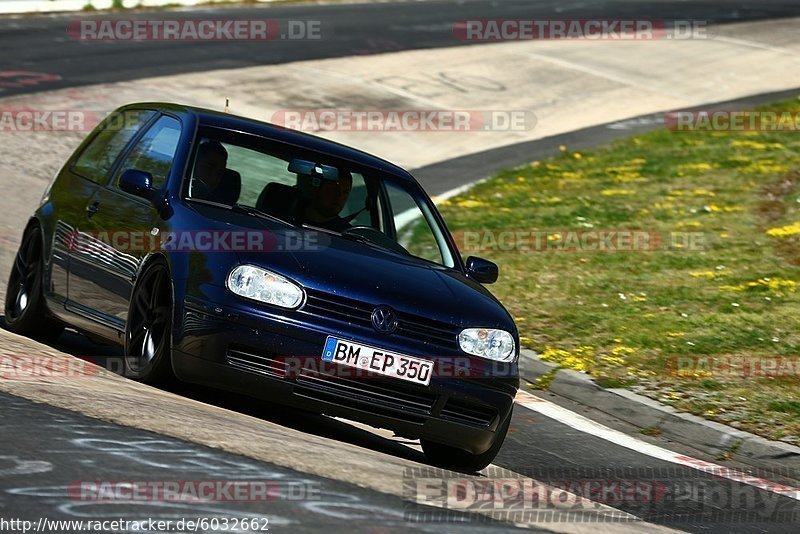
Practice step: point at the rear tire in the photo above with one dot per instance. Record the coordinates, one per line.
(459, 459)
(148, 349)
(25, 311)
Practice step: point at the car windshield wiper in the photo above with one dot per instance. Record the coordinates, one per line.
(240, 208)
(250, 210)
(367, 241)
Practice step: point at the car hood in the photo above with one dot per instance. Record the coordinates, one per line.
(327, 263)
(357, 271)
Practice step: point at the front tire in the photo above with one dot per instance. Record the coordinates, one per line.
(25, 311)
(149, 328)
(459, 459)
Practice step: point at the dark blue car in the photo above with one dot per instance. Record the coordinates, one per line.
(241, 255)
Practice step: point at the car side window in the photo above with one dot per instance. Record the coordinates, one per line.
(357, 202)
(413, 228)
(154, 152)
(97, 159)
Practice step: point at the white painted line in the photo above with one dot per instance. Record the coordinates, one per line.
(755, 44)
(583, 424)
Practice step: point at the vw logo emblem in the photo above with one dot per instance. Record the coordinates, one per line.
(384, 319)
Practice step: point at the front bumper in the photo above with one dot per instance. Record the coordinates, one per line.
(277, 358)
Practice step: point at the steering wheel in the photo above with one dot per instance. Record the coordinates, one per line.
(376, 236)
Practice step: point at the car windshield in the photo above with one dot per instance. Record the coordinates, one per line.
(304, 188)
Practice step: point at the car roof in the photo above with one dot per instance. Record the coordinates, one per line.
(208, 117)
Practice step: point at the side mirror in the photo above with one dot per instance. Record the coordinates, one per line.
(139, 183)
(481, 270)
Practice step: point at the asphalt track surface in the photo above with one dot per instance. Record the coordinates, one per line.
(538, 447)
(58, 456)
(54, 442)
(42, 45)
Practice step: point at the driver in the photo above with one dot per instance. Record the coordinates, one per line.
(209, 170)
(326, 202)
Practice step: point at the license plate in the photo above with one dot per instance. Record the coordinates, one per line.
(378, 361)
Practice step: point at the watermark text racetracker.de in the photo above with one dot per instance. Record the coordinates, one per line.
(211, 490)
(26, 120)
(58, 120)
(44, 367)
(721, 120)
(405, 120)
(155, 29)
(579, 29)
(734, 366)
(139, 241)
(581, 495)
(524, 241)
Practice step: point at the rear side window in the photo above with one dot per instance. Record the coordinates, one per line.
(154, 152)
(97, 159)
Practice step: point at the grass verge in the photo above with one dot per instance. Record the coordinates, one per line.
(712, 280)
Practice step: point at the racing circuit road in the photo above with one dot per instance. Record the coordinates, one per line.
(363, 478)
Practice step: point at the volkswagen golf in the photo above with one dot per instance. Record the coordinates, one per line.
(240, 255)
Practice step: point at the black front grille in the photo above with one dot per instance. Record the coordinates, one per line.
(264, 363)
(468, 413)
(359, 313)
(372, 394)
(369, 393)
(339, 308)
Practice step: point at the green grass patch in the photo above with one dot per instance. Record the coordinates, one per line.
(717, 274)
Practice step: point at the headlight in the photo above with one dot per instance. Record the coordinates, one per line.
(260, 284)
(487, 343)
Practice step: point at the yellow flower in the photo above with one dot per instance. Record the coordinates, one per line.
(777, 286)
(547, 200)
(577, 155)
(562, 148)
(616, 192)
(785, 231)
(703, 193)
(470, 203)
(613, 361)
(704, 274)
(766, 167)
(699, 167)
(580, 361)
(755, 145)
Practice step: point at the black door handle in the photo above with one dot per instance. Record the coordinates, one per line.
(92, 208)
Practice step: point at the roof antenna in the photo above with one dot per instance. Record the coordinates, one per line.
(227, 105)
